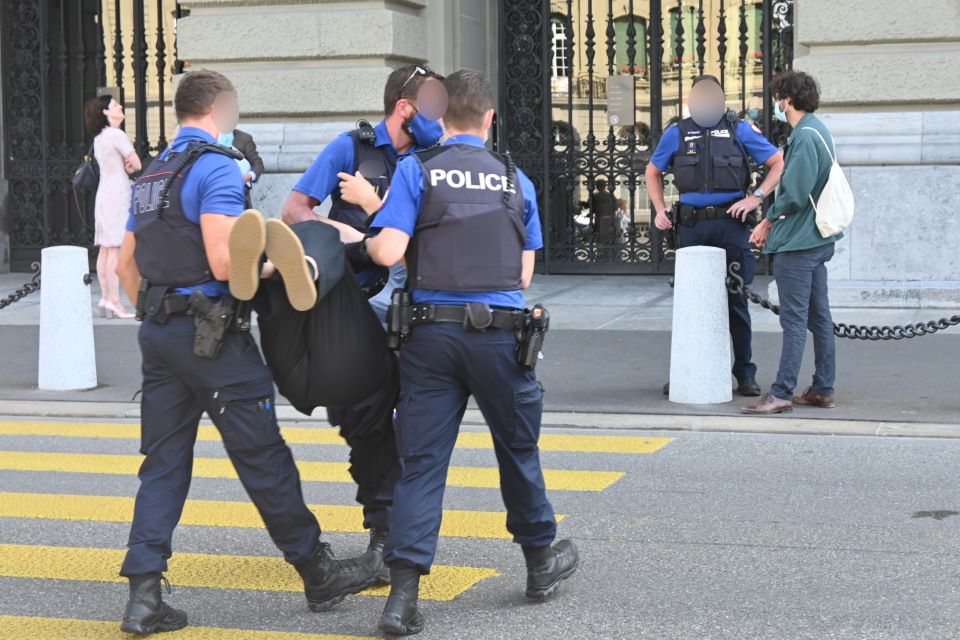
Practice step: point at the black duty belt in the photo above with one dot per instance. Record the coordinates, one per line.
(706, 213)
(434, 313)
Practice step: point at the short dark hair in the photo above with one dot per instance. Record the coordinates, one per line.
(405, 82)
(470, 97)
(93, 115)
(800, 87)
(197, 91)
(706, 78)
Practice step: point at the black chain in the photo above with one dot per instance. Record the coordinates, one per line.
(25, 290)
(735, 285)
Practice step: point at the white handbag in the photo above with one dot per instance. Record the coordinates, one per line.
(834, 207)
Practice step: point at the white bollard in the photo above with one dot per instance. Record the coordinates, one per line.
(67, 357)
(700, 345)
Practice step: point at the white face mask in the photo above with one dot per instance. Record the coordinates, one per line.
(779, 113)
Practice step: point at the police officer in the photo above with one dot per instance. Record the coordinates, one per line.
(183, 208)
(354, 170)
(708, 156)
(466, 220)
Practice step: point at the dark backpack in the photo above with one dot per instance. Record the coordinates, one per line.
(86, 178)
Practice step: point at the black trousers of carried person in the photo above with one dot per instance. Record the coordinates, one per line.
(335, 356)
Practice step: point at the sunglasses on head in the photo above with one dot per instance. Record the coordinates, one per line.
(417, 71)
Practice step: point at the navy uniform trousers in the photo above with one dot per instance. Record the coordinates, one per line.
(441, 365)
(236, 391)
(733, 237)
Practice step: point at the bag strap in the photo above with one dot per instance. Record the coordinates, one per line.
(833, 159)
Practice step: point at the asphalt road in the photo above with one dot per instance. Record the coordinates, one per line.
(703, 536)
(601, 371)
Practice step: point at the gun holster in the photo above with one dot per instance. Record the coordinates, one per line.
(213, 320)
(536, 324)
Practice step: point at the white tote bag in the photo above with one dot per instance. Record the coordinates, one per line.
(834, 207)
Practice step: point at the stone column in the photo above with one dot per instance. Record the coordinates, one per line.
(888, 73)
(304, 71)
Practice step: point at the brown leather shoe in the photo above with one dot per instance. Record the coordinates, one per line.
(813, 398)
(768, 405)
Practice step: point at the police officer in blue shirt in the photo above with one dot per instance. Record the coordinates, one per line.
(708, 156)
(354, 171)
(173, 263)
(466, 221)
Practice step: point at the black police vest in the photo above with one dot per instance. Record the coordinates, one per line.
(470, 232)
(710, 160)
(369, 160)
(169, 250)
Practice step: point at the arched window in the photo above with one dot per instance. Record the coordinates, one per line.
(559, 61)
(622, 27)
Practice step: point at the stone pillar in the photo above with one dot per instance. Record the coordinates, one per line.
(890, 96)
(304, 71)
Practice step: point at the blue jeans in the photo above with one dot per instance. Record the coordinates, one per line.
(802, 281)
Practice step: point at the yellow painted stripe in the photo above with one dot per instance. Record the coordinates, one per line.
(325, 436)
(253, 573)
(23, 627)
(481, 477)
(217, 513)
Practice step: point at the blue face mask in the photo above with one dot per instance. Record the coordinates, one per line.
(753, 113)
(779, 113)
(226, 139)
(426, 132)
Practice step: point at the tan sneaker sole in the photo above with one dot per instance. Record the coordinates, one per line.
(248, 239)
(285, 251)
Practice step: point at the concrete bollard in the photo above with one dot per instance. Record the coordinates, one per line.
(67, 357)
(700, 345)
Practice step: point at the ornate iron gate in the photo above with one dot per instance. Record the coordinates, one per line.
(587, 87)
(54, 55)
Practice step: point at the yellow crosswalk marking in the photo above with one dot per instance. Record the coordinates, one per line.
(324, 436)
(217, 513)
(481, 477)
(253, 573)
(23, 628)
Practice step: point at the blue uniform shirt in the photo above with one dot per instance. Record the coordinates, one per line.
(321, 180)
(759, 148)
(212, 185)
(402, 208)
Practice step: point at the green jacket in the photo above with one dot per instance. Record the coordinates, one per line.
(806, 169)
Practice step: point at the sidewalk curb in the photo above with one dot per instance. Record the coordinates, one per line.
(551, 419)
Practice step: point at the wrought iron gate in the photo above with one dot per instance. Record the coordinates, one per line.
(55, 56)
(587, 87)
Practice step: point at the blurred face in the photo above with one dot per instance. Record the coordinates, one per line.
(225, 112)
(707, 103)
(114, 112)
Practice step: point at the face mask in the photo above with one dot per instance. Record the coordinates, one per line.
(226, 139)
(779, 113)
(426, 132)
(753, 113)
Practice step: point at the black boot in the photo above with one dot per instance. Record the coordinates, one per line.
(327, 581)
(377, 539)
(146, 611)
(547, 566)
(401, 616)
(748, 387)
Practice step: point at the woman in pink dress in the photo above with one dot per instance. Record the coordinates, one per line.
(117, 159)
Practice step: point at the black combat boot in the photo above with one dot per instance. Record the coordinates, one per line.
(327, 581)
(547, 566)
(378, 538)
(146, 611)
(401, 615)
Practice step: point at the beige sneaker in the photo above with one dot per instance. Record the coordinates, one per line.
(285, 251)
(248, 239)
(768, 405)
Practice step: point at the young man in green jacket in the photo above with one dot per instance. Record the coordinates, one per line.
(790, 233)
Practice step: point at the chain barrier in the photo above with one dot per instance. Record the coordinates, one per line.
(25, 290)
(736, 285)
